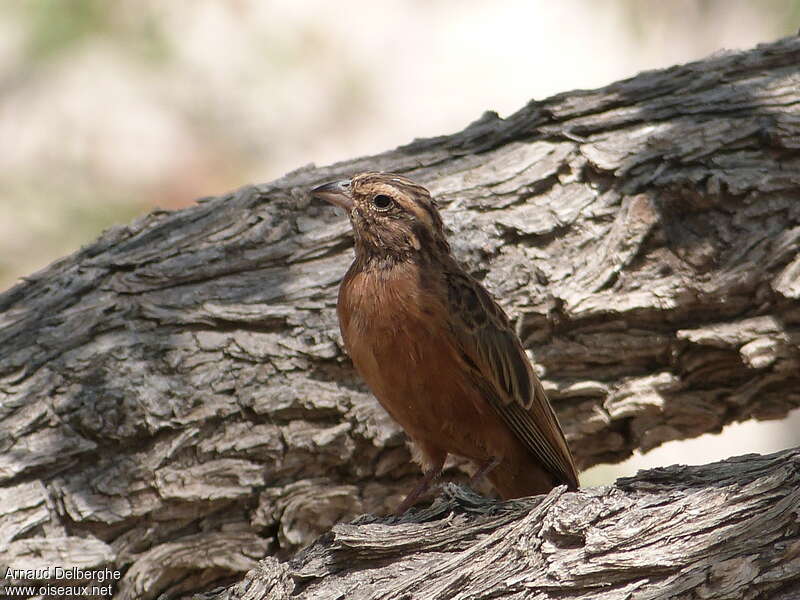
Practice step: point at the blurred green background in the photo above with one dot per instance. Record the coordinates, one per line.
(111, 109)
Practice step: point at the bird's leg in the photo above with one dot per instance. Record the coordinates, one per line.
(414, 494)
(484, 469)
(429, 476)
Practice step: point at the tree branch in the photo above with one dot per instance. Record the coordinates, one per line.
(727, 530)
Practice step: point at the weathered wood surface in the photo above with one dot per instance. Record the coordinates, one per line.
(174, 398)
(727, 530)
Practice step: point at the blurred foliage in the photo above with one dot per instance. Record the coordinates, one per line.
(57, 26)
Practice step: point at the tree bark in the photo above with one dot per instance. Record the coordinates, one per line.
(176, 404)
(728, 530)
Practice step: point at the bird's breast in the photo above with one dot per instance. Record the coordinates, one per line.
(379, 309)
(395, 328)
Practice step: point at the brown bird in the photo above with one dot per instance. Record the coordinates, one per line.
(436, 349)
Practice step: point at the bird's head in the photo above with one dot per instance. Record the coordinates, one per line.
(392, 217)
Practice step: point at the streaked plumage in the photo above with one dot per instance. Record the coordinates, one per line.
(435, 348)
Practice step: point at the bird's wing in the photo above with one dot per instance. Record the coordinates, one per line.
(493, 351)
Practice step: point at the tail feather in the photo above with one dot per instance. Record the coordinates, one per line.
(516, 480)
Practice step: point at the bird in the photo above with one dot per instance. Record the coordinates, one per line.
(436, 349)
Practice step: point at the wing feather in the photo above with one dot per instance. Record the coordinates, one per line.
(503, 371)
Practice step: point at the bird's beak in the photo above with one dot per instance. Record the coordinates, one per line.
(335, 192)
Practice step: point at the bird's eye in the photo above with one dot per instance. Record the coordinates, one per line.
(382, 202)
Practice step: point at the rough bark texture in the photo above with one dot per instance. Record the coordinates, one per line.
(175, 401)
(662, 534)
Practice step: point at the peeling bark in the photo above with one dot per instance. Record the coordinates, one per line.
(175, 402)
(727, 530)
